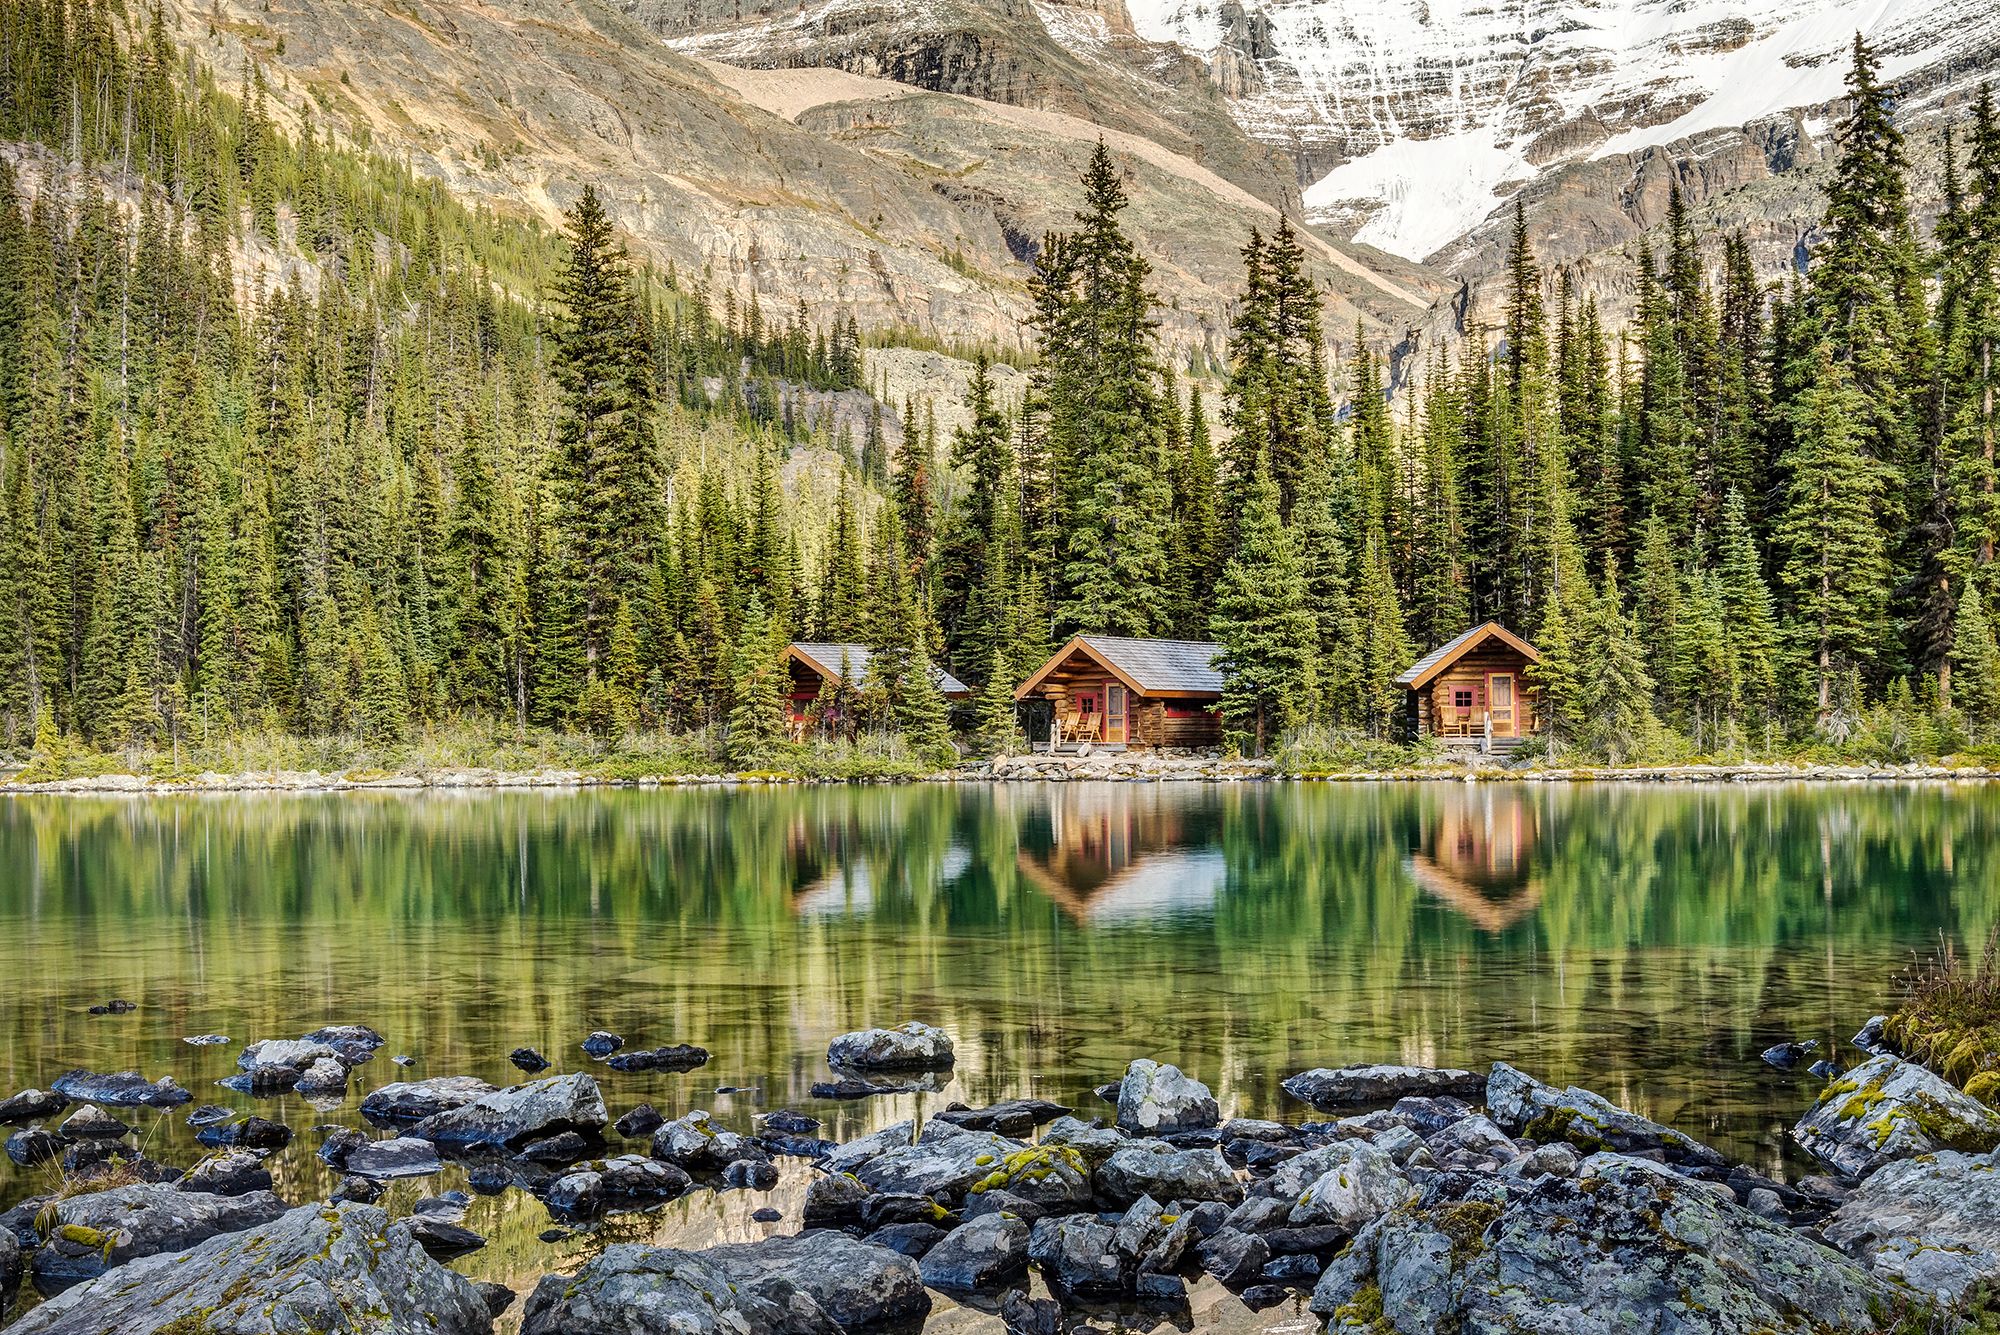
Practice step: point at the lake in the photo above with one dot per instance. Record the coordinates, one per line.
(1646, 941)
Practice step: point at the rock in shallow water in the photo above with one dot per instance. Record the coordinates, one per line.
(1330, 1090)
(1150, 1168)
(121, 1089)
(1888, 1109)
(907, 1047)
(602, 1043)
(31, 1105)
(334, 1270)
(981, 1253)
(519, 1113)
(1155, 1099)
(409, 1101)
(678, 1057)
(1524, 1106)
(404, 1156)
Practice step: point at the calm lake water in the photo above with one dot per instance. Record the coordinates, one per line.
(1646, 941)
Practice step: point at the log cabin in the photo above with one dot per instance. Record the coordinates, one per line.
(1473, 690)
(813, 664)
(1112, 693)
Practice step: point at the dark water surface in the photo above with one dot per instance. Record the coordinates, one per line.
(1646, 941)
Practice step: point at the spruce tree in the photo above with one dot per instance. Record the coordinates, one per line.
(757, 680)
(1262, 623)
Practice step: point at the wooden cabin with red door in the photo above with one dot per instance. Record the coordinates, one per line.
(812, 665)
(1111, 693)
(1473, 691)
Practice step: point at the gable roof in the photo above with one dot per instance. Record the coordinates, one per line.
(825, 659)
(1151, 667)
(1442, 657)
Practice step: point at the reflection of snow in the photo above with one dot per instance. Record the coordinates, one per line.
(955, 861)
(1159, 885)
(842, 891)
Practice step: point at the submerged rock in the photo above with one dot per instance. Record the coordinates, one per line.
(336, 1270)
(1888, 1109)
(121, 1089)
(907, 1047)
(1524, 1106)
(1787, 1056)
(102, 1230)
(509, 1117)
(410, 1101)
(1627, 1246)
(1933, 1223)
(679, 1057)
(1330, 1090)
(1155, 1099)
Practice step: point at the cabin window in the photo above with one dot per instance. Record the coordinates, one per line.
(1461, 698)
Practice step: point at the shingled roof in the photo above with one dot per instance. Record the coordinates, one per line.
(826, 659)
(1451, 650)
(1150, 667)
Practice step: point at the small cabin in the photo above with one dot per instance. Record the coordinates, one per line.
(812, 665)
(1474, 691)
(1109, 692)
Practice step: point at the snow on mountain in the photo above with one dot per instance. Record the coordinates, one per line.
(1413, 120)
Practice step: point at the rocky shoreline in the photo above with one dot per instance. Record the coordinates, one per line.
(1405, 1199)
(1176, 768)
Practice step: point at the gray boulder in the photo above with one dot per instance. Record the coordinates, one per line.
(406, 1102)
(943, 1163)
(102, 1230)
(520, 1113)
(846, 1158)
(1933, 1223)
(857, 1284)
(628, 1182)
(1079, 1258)
(1094, 1143)
(1888, 1109)
(229, 1173)
(1629, 1246)
(1055, 1179)
(1155, 1099)
(1524, 1106)
(352, 1044)
(333, 1270)
(634, 1290)
(907, 1047)
(1365, 1185)
(121, 1089)
(1330, 1090)
(1152, 1168)
(31, 1105)
(324, 1079)
(288, 1054)
(981, 1253)
(91, 1122)
(695, 1144)
(403, 1156)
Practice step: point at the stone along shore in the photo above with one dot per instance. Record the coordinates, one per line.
(1407, 1199)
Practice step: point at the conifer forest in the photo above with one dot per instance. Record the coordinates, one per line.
(293, 444)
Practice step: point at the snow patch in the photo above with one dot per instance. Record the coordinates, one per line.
(1420, 194)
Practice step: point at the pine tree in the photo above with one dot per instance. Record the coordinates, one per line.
(995, 730)
(922, 715)
(757, 691)
(1616, 690)
(1834, 566)
(1262, 623)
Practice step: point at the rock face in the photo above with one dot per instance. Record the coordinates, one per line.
(633, 1290)
(1524, 1106)
(908, 1047)
(121, 1089)
(1353, 1086)
(1888, 1109)
(1157, 1100)
(336, 1271)
(105, 1229)
(1627, 1246)
(1933, 1223)
(520, 1113)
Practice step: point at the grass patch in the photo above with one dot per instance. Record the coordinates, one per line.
(1950, 1017)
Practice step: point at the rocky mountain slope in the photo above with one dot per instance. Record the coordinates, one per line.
(918, 211)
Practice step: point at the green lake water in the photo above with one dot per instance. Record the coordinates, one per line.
(1647, 941)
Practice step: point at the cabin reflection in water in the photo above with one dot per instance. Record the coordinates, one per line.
(1126, 852)
(1475, 853)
